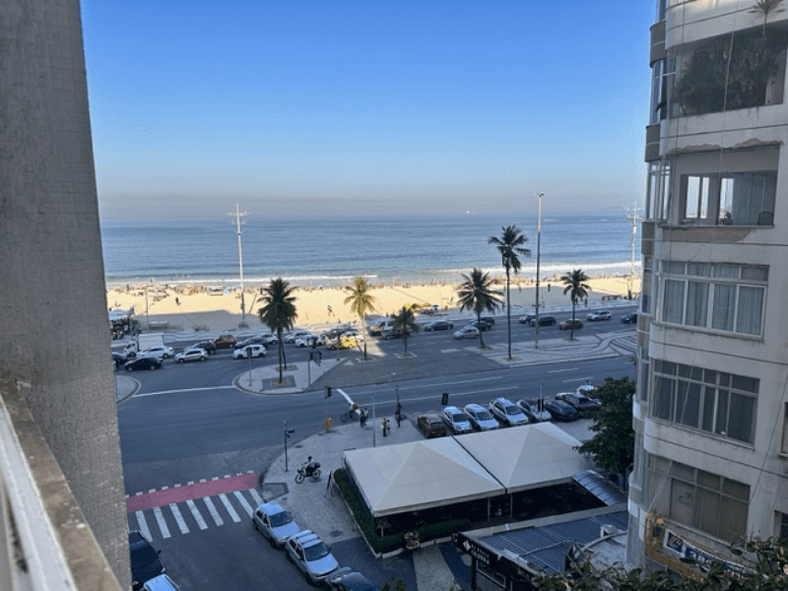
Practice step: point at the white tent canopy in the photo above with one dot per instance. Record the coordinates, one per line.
(436, 472)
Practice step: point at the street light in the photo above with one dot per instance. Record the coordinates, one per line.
(538, 253)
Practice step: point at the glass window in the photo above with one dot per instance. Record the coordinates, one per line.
(724, 306)
(697, 303)
(673, 301)
(750, 310)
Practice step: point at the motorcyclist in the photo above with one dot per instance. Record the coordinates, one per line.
(308, 467)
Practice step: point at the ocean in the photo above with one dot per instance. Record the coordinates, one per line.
(329, 251)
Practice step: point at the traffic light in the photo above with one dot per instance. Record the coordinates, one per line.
(328, 392)
(444, 399)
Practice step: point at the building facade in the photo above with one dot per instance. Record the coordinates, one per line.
(710, 413)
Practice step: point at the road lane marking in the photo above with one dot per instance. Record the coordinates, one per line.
(143, 525)
(212, 510)
(258, 499)
(165, 531)
(196, 514)
(564, 370)
(184, 390)
(243, 502)
(178, 518)
(229, 507)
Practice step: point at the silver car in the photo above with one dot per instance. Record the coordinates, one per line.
(531, 409)
(192, 354)
(311, 556)
(480, 417)
(468, 332)
(456, 420)
(507, 413)
(274, 523)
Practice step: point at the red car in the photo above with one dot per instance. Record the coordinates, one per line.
(570, 324)
(225, 341)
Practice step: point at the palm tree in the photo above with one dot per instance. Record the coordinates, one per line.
(278, 313)
(510, 245)
(477, 293)
(404, 324)
(575, 284)
(361, 302)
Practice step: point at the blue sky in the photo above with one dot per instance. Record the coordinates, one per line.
(349, 107)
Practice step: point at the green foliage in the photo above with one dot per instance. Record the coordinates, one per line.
(575, 283)
(613, 446)
(477, 293)
(361, 302)
(278, 313)
(745, 62)
(510, 245)
(404, 324)
(433, 531)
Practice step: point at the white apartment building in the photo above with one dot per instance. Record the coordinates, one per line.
(711, 410)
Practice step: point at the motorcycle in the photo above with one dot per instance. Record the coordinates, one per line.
(312, 470)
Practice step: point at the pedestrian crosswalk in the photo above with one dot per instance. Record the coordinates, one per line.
(194, 514)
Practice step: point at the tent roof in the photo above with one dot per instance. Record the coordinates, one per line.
(419, 475)
(527, 457)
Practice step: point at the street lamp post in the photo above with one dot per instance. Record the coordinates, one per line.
(538, 255)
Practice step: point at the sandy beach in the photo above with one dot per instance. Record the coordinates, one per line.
(197, 307)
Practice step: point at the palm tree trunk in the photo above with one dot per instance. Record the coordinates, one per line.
(572, 330)
(509, 312)
(281, 345)
(364, 334)
(479, 328)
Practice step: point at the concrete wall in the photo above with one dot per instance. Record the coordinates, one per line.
(54, 335)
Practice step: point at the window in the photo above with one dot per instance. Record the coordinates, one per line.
(781, 529)
(715, 296)
(784, 446)
(712, 401)
(696, 498)
(657, 190)
(729, 199)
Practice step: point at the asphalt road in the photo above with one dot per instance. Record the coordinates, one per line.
(187, 422)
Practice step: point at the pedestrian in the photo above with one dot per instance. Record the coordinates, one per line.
(362, 419)
(398, 414)
(385, 427)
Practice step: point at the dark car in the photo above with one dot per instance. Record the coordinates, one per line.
(560, 410)
(206, 346)
(143, 362)
(225, 341)
(571, 324)
(581, 402)
(489, 319)
(481, 324)
(346, 579)
(438, 325)
(630, 318)
(543, 320)
(145, 561)
(249, 341)
(431, 425)
(118, 359)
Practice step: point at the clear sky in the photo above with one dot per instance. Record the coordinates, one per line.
(314, 107)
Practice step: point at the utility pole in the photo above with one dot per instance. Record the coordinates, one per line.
(238, 220)
(634, 217)
(538, 255)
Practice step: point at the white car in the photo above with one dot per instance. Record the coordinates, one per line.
(468, 332)
(599, 315)
(192, 354)
(311, 556)
(295, 334)
(160, 351)
(249, 351)
(274, 523)
(480, 417)
(308, 340)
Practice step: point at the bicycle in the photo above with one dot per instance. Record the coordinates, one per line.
(351, 415)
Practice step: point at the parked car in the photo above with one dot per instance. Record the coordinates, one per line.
(191, 354)
(530, 409)
(598, 315)
(274, 523)
(480, 417)
(488, 319)
(249, 351)
(268, 339)
(225, 341)
(468, 332)
(631, 318)
(431, 425)
(581, 402)
(481, 324)
(390, 333)
(143, 362)
(208, 346)
(311, 556)
(561, 411)
(161, 583)
(145, 561)
(295, 334)
(456, 420)
(438, 325)
(160, 351)
(507, 413)
(346, 579)
(340, 342)
(571, 324)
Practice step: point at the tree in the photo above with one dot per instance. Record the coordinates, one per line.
(477, 293)
(613, 446)
(510, 245)
(278, 313)
(575, 284)
(404, 324)
(361, 302)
